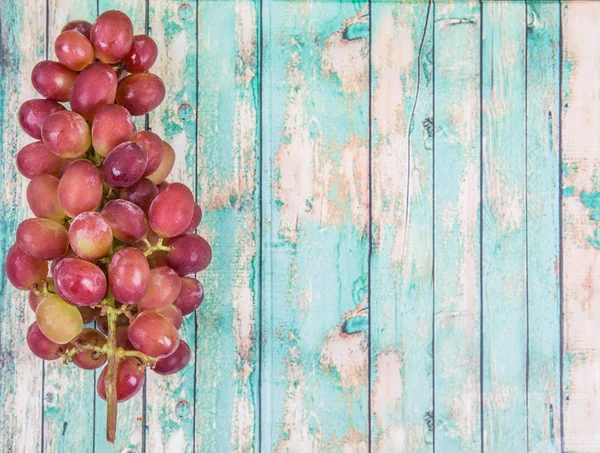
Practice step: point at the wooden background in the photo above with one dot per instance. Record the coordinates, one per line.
(404, 204)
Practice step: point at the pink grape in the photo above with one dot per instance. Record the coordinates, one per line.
(33, 113)
(162, 186)
(89, 360)
(90, 236)
(82, 26)
(153, 145)
(165, 167)
(173, 314)
(162, 291)
(80, 188)
(53, 80)
(124, 165)
(130, 379)
(189, 254)
(140, 93)
(94, 88)
(74, 50)
(42, 196)
(142, 193)
(79, 282)
(127, 221)
(102, 323)
(112, 126)
(172, 210)
(112, 36)
(196, 218)
(142, 55)
(23, 270)
(153, 335)
(128, 275)
(89, 314)
(176, 361)
(34, 300)
(66, 134)
(35, 159)
(59, 321)
(121, 332)
(53, 264)
(190, 297)
(41, 346)
(43, 239)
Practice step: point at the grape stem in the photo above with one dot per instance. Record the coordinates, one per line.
(150, 249)
(45, 292)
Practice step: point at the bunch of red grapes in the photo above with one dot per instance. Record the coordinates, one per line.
(120, 239)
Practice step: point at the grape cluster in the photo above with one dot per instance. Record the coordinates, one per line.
(120, 239)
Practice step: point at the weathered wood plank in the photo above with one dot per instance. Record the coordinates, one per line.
(170, 399)
(457, 221)
(543, 231)
(68, 390)
(23, 44)
(228, 165)
(402, 215)
(315, 226)
(581, 236)
(504, 227)
(131, 413)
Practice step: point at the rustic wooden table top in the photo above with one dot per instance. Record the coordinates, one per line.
(404, 202)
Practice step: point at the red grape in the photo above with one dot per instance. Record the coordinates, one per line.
(94, 88)
(162, 186)
(80, 188)
(130, 379)
(128, 275)
(89, 360)
(112, 36)
(142, 55)
(173, 314)
(112, 126)
(121, 333)
(165, 167)
(42, 195)
(34, 300)
(33, 113)
(189, 254)
(53, 80)
(140, 93)
(142, 193)
(43, 239)
(162, 291)
(66, 134)
(82, 26)
(88, 314)
(90, 236)
(176, 361)
(190, 297)
(153, 335)
(41, 346)
(124, 165)
(127, 221)
(196, 218)
(23, 270)
(59, 321)
(153, 145)
(102, 322)
(79, 282)
(172, 210)
(74, 50)
(35, 159)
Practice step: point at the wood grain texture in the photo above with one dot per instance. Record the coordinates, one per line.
(23, 44)
(315, 226)
(504, 227)
(228, 173)
(402, 262)
(457, 221)
(581, 255)
(170, 399)
(543, 227)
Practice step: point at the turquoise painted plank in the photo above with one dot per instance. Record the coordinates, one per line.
(543, 235)
(457, 220)
(170, 399)
(402, 216)
(130, 418)
(23, 35)
(504, 227)
(314, 367)
(580, 224)
(68, 390)
(228, 191)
